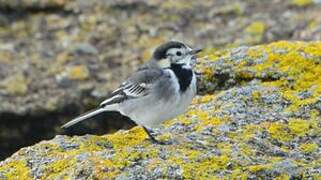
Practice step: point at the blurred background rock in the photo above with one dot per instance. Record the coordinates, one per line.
(59, 58)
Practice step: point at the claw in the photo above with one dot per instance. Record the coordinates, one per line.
(154, 140)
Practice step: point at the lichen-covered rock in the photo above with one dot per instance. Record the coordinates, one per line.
(45, 39)
(62, 57)
(258, 117)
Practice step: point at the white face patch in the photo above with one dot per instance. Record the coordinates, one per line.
(164, 63)
(179, 55)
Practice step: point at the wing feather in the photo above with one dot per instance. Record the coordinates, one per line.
(138, 85)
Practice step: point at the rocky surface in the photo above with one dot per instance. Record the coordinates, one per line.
(55, 53)
(258, 117)
(59, 58)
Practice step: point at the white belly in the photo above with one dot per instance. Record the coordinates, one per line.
(153, 112)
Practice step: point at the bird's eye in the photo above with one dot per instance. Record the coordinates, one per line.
(178, 53)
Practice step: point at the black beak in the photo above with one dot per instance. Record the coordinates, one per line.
(196, 50)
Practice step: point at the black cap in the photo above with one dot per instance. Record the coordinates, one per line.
(160, 52)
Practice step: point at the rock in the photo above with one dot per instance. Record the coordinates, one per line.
(84, 48)
(47, 37)
(79, 72)
(263, 125)
(78, 51)
(16, 85)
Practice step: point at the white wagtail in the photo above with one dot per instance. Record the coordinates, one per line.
(160, 90)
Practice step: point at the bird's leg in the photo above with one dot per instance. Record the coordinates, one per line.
(151, 137)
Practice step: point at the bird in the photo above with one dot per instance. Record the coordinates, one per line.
(160, 90)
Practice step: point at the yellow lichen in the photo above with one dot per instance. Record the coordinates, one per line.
(245, 75)
(303, 73)
(16, 84)
(213, 121)
(302, 2)
(165, 137)
(309, 147)
(257, 27)
(283, 177)
(203, 99)
(299, 127)
(63, 58)
(312, 49)
(279, 131)
(254, 32)
(246, 150)
(298, 69)
(202, 167)
(125, 154)
(292, 67)
(91, 144)
(207, 72)
(5, 56)
(248, 132)
(131, 138)
(105, 168)
(79, 72)
(254, 53)
(225, 148)
(256, 95)
(15, 170)
(232, 8)
(123, 157)
(59, 169)
(52, 103)
(259, 167)
(239, 174)
(205, 119)
(210, 54)
(176, 5)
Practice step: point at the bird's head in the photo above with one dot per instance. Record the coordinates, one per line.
(174, 53)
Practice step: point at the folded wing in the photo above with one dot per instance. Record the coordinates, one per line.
(138, 85)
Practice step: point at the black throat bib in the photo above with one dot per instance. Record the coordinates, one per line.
(183, 75)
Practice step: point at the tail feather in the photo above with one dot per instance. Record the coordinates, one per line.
(83, 117)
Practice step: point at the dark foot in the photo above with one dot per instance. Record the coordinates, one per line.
(152, 138)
